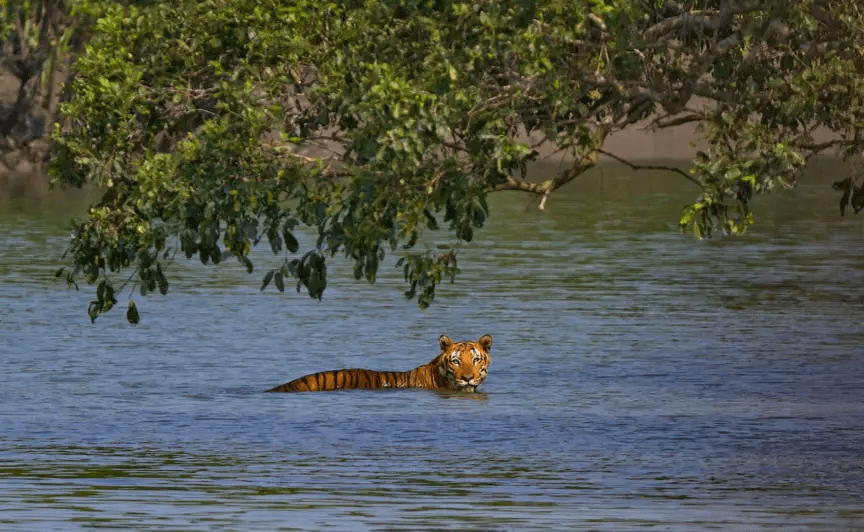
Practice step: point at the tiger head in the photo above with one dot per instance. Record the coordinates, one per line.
(463, 365)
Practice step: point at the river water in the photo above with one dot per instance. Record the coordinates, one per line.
(639, 380)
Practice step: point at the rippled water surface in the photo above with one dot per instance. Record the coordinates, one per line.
(640, 380)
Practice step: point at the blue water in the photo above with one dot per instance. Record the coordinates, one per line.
(639, 380)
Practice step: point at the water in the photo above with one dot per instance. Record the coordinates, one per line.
(639, 380)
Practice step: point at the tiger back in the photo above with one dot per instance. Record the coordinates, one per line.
(461, 366)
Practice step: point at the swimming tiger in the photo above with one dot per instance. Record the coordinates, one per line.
(461, 366)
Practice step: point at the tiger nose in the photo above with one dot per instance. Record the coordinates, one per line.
(467, 379)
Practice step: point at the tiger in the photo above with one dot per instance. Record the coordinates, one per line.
(461, 366)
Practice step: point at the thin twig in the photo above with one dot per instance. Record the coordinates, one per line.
(651, 167)
(672, 122)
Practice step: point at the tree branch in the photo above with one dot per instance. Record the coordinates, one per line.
(701, 19)
(693, 19)
(651, 167)
(518, 184)
(580, 166)
(681, 120)
(822, 146)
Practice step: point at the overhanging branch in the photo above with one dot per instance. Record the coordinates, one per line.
(545, 188)
(818, 147)
(634, 166)
(678, 121)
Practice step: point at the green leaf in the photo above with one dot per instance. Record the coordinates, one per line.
(431, 222)
(100, 291)
(244, 260)
(93, 310)
(132, 313)
(161, 280)
(267, 277)
(291, 243)
(844, 200)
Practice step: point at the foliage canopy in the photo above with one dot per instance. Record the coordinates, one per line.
(213, 125)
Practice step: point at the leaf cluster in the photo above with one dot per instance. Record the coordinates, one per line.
(215, 125)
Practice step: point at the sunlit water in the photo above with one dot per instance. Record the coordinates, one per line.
(640, 380)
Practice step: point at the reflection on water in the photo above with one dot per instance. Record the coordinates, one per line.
(639, 380)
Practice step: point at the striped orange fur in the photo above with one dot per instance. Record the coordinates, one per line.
(461, 366)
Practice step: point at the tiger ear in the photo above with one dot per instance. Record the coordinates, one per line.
(485, 342)
(445, 342)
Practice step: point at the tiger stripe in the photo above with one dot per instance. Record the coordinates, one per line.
(460, 366)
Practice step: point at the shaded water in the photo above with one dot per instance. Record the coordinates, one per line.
(639, 380)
